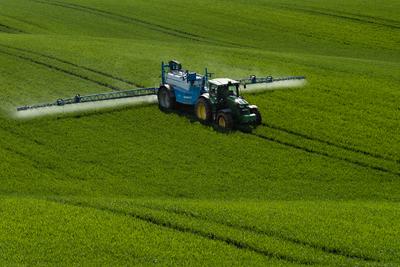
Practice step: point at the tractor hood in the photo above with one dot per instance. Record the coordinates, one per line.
(238, 101)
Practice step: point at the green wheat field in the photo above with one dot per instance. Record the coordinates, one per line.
(317, 184)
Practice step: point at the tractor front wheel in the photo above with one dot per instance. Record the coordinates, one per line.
(224, 121)
(203, 110)
(166, 99)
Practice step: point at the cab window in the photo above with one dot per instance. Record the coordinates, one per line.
(232, 89)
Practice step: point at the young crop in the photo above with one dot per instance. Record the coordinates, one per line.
(316, 183)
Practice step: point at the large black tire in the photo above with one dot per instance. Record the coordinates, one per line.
(203, 110)
(166, 99)
(224, 120)
(258, 116)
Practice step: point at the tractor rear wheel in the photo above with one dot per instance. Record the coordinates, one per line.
(166, 100)
(258, 116)
(203, 110)
(224, 120)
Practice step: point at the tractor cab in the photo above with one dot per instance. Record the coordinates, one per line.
(174, 65)
(229, 106)
(222, 88)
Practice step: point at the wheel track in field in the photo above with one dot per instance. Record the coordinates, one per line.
(37, 164)
(64, 71)
(192, 117)
(40, 164)
(135, 21)
(9, 29)
(185, 229)
(329, 250)
(329, 143)
(325, 154)
(344, 15)
(75, 65)
(23, 21)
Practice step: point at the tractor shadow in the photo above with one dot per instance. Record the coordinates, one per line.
(187, 111)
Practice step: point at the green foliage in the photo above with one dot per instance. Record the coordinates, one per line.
(317, 183)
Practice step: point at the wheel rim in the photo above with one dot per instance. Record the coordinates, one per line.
(201, 111)
(221, 122)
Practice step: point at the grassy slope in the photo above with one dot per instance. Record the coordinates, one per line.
(318, 183)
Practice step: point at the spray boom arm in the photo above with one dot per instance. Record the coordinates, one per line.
(269, 79)
(94, 97)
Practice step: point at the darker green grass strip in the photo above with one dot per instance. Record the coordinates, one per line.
(330, 250)
(311, 151)
(64, 71)
(208, 235)
(75, 65)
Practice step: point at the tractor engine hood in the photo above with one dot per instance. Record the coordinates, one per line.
(239, 101)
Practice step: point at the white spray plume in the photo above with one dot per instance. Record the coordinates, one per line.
(72, 108)
(259, 87)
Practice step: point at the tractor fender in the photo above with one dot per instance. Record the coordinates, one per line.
(205, 95)
(253, 107)
(169, 88)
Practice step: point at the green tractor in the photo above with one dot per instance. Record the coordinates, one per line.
(223, 105)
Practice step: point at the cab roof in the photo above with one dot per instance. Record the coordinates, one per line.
(222, 81)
